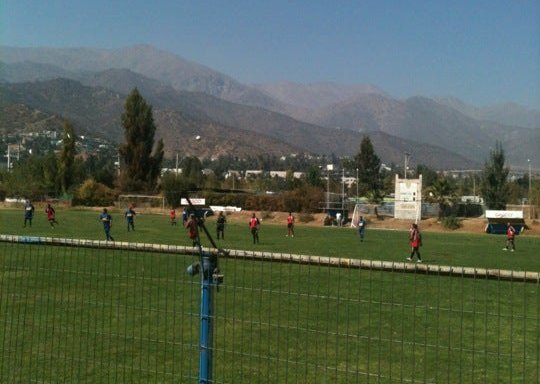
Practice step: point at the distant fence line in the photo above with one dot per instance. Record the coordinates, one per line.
(427, 269)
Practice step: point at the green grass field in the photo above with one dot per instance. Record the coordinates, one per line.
(96, 315)
(468, 250)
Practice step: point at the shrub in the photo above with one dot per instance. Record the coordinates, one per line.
(451, 222)
(329, 220)
(92, 193)
(2, 193)
(305, 217)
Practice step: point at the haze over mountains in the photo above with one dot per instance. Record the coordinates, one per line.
(89, 86)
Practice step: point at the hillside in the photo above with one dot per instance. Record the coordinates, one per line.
(424, 120)
(227, 127)
(508, 114)
(41, 106)
(22, 119)
(321, 118)
(168, 68)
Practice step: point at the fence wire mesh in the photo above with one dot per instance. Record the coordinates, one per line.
(77, 314)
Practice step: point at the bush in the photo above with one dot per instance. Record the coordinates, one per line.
(266, 215)
(329, 220)
(174, 189)
(299, 200)
(451, 222)
(2, 193)
(92, 193)
(305, 217)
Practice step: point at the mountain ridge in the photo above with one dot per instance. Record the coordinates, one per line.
(222, 126)
(329, 124)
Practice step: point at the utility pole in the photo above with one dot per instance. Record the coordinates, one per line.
(356, 185)
(329, 167)
(342, 190)
(474, 186)
(176, 172)
(8, 159)
(529, 197)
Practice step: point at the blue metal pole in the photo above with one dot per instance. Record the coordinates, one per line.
(210, 277)
(206, 325)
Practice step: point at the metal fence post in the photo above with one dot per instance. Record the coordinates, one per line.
(206, 323)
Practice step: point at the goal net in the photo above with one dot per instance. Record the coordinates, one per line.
(359, 210)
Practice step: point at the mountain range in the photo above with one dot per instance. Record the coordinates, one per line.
(89, 86)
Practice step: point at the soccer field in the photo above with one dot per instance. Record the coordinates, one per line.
(467, 250)
(101, 315)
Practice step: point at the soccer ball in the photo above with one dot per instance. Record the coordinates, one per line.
(197, 138)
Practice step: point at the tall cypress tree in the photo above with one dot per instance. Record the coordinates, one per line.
(67, 158)
(495, 189)
(369, 165)
(141, 160)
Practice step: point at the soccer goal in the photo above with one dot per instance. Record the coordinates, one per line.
(359, 210)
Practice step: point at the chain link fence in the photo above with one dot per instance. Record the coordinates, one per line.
(100, 312)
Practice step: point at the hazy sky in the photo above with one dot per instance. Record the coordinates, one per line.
(483, 52)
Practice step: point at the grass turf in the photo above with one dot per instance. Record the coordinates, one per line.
(468, 250)
(82, 315)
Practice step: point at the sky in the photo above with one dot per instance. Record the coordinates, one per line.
(482, 52)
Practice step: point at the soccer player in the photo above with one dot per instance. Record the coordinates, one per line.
(106, 220)
(415, 239)
(172, 216)
(220, 226)
(28, 212)
(290, 225)
(510, 235)
(254, 225)
(361, 228)
(185, 216)
(51, 215)
(193, 230)
(130, 218)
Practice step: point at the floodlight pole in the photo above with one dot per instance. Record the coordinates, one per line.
(356, 185)
(406, 165)
(327, 189)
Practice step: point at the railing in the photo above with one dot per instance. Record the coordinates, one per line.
(90, 311)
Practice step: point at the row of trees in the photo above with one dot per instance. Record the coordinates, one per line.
(63, 173)
(95, 180)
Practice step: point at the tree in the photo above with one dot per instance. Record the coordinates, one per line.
(174, 188)
(313, 177)
(192, 170)
(369, 165)
(141, 160)
(429, 176)
(495, 189)
(33, 178)
(442, 192)
(67, 158)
